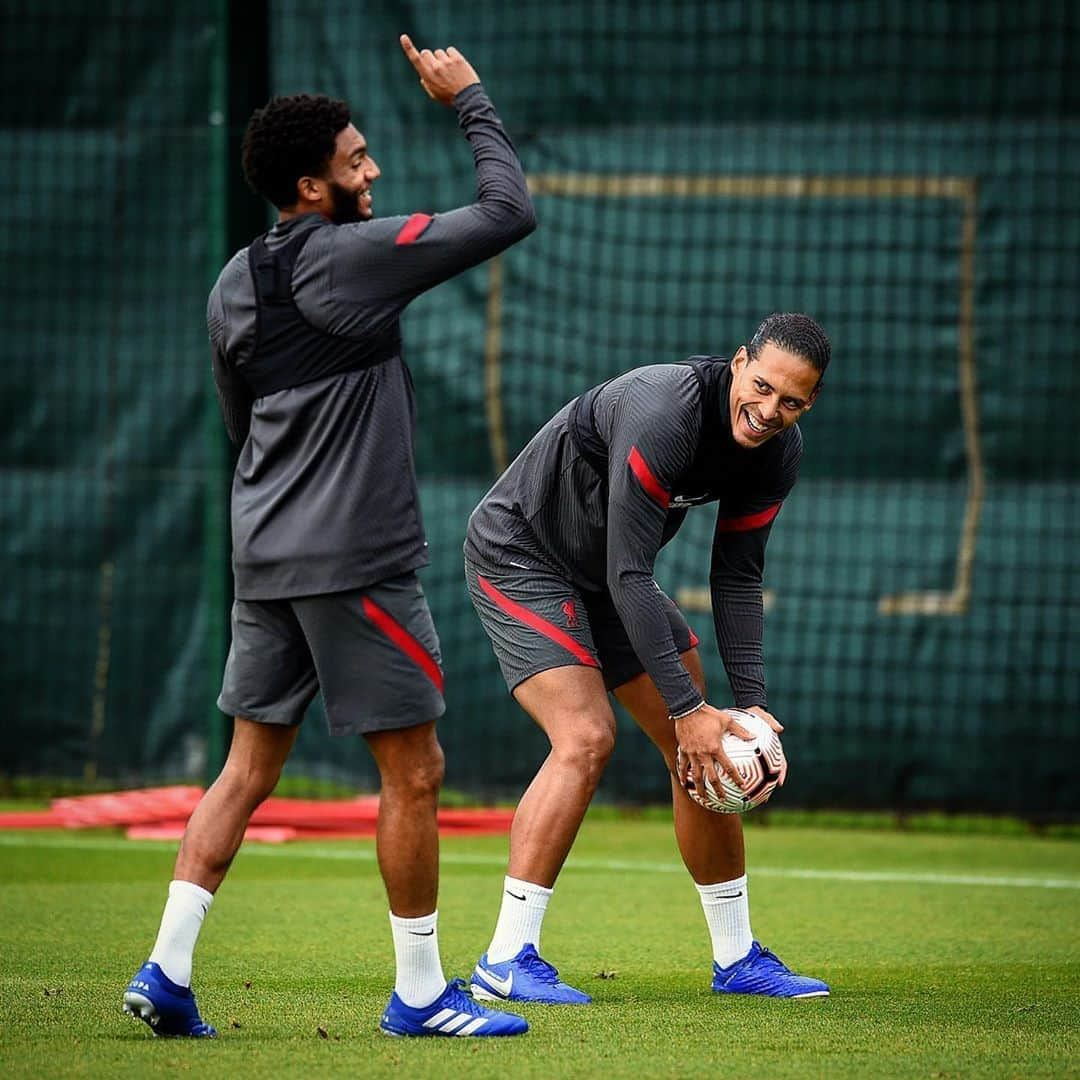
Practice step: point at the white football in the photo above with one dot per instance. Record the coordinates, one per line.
(760, 762)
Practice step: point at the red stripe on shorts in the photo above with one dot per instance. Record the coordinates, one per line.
(404, 641)
(747, 521)
(640, 468)
(541, 626)
(413, 228)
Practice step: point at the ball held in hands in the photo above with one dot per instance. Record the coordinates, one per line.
(760, 762)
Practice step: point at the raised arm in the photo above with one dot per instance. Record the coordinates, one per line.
(502, 193)
(388, 262)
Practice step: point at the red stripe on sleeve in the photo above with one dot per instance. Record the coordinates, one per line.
(748, 521)
(694, 639)
(541, 626)
(404, 641)
(413, 228)
(640, 468)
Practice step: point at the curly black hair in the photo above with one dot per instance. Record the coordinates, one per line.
(287, 138)
(795, 333)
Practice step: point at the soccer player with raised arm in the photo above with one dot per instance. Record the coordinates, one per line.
(559, 562)
(327, 534)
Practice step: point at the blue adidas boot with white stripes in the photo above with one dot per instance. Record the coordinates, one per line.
(763, 972)
(169, 1009)
(453, 1012)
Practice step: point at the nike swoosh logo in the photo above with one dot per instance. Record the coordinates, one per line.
(515, 895)
(729, 896)
(500, 986)
(421, 933)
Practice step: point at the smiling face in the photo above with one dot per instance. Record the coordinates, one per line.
(769, 393)
(342, 194)
(349, 177)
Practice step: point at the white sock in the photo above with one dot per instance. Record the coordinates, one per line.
(521, 919)
(181, 922)
(727, 912)
(419, 979)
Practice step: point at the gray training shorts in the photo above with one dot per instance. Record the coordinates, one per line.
(373, 652)
(537, 620)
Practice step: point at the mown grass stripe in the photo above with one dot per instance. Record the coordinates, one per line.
(367, 854)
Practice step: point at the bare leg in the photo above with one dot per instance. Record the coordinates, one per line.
(711, 844)
(712, 849)
(411, 766)
(216, 828)
(571, 706)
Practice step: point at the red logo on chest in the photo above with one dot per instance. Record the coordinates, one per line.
(569, 609)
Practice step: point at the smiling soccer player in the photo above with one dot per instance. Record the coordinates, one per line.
(559, 564)
(326, 526)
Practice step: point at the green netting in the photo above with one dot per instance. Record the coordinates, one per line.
(108, 151)
(909, 174)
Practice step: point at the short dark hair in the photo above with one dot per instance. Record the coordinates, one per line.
(290, 137)
(794, 333)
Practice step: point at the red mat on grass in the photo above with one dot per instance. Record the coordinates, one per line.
(267, 834)
(161, 813)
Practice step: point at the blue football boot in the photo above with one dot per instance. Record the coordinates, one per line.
(525, 977)
(168, 1009)
(762, 972)
(453, 1012)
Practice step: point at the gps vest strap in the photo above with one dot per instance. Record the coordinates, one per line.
(289, 351)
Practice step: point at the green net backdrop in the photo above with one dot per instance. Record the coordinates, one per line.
(909, 174)
(112, 181)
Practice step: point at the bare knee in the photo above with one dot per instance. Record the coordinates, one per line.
(586, 746)
(417, 780)
(247, 783)
(256, 757)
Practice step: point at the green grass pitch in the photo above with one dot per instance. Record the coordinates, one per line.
(949, 956)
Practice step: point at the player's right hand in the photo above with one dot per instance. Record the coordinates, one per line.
(443, 73)
(699, 736)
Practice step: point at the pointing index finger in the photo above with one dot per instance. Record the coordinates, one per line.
(409, 49)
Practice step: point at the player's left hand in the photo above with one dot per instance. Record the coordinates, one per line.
(444, 73)
(768, 717)
(775, 724)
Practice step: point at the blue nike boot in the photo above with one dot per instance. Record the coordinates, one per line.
(525, 977)
(762, 972)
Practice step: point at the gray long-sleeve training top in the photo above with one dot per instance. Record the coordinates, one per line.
(324, 495)
(608, 481)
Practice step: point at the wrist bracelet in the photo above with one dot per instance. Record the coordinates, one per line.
(679, 716)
